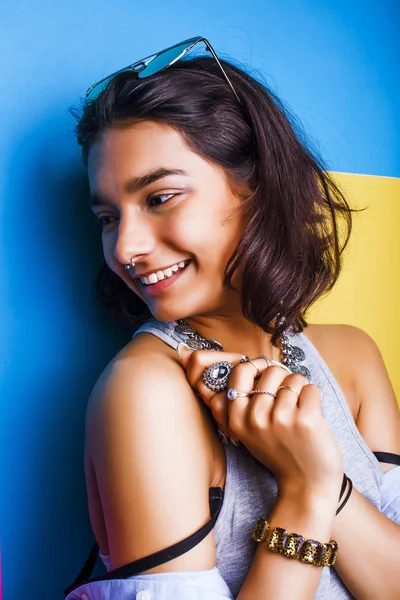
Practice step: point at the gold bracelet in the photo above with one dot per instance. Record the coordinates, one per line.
(293, 545)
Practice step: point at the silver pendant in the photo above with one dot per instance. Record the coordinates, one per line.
(297, 353)
(183, 328)
(194, 340)
(292, 355)
(216, 345)
(194, 344)
(295, 368)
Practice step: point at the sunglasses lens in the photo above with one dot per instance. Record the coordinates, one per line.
(166, 58)
(99, 87)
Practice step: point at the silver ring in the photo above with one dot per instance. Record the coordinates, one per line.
(247, 359)
(274, 362)
(232, 394)
(262, 392)
(265, 358)
(278, 364)
(254, 364)
(215, 377)
(132, 264)
(287, 387)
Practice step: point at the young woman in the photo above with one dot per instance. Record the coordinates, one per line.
(220, 228)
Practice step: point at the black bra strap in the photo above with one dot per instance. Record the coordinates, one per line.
(216, 496)
(388, 457)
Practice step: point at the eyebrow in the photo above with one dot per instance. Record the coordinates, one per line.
(136, 184)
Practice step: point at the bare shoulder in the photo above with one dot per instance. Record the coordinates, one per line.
(357, 363)
(333, 334)
(148, 458)
(334, 344)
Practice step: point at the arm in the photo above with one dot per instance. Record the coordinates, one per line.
(369, 550)
(312, 516)
(369, 542)
(147, 447)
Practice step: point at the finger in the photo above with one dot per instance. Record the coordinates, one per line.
(244, 374)
(310, 402)
(289, 391)
(202, 359)
(285, 407)
(259, 364)
(271, 379)
(242, 379)
(236, 415)
(259, 410)
(219, 408)
(198, 367)
(261, 406)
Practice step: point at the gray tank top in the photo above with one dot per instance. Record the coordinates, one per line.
(250, 489)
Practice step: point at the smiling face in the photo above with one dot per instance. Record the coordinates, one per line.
(164, 205)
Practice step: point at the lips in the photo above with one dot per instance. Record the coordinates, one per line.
(166, 276)
(138, 275)
(162, 285)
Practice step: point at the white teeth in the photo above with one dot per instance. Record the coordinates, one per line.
(160, 275)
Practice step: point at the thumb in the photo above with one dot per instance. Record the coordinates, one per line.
(184, 353)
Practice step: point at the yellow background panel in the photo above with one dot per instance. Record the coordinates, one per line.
(367, 293)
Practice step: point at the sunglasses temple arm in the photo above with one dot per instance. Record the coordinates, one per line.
(210, 48)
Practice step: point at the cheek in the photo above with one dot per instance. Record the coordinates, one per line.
(211, 239)
(196, 236)
(209, 217)
(188, 230)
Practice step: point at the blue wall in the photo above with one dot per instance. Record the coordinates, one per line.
(336, 66)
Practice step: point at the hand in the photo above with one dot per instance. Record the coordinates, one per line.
(288, 435)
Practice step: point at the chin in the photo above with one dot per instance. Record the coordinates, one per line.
(183, 306)
(164, 314)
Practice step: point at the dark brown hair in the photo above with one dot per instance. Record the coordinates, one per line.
(292, 247)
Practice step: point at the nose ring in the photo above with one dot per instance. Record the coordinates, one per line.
(132, 264)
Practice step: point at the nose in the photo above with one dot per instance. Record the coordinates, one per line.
(136, 238)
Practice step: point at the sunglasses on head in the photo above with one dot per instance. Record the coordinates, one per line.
(146, 67)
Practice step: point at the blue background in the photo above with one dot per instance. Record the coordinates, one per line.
(335, 64)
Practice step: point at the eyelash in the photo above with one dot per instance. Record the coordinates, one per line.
(102, 224)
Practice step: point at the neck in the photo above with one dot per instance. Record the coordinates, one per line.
(236, 334)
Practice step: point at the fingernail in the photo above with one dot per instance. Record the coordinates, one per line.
(182, 350)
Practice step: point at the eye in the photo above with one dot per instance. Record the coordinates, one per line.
(159, 199)
(103, 221)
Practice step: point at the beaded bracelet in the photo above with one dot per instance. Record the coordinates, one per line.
(293, 545)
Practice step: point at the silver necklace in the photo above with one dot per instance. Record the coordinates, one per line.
(291, 355)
